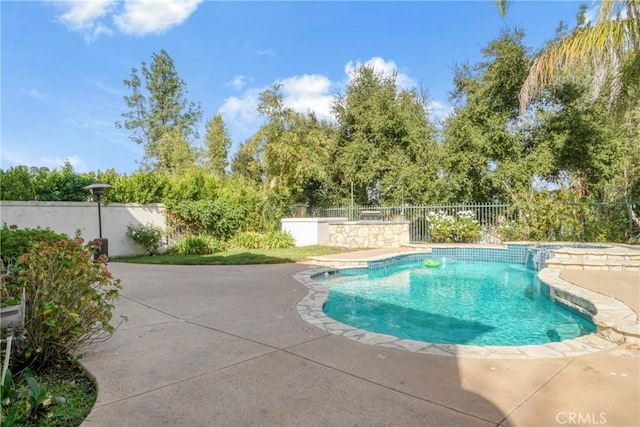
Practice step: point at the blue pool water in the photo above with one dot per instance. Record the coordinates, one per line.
(460, 302)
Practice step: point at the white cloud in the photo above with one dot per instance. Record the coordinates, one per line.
(439, 111)
(135, 17)
(82, 14)
(380, 65)
(242, 111)
(97, 31)
(309, 92)
(141, 17)
(266, 52)
(35, 93)
(238, 82)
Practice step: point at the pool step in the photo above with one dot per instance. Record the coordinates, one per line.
(612, 258)
(593, 264)
(613, 253)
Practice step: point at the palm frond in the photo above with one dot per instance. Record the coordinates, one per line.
(502, 6)
(601, 46)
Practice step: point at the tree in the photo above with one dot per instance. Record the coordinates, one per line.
(484, 157)
(175, 154)
(610, 47)
(218, 143)
(292, 148)
(386, 145)
(246, 162)
(17, 184)
(162, 110)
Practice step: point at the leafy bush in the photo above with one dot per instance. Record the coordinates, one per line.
(148, 236)
(16, 242)
(69, 298)
(441, 227)
(466, 228)
(246, 240)
(218, 218)
(278, 240)
(271, 240)
(201, 244)
(444, 228)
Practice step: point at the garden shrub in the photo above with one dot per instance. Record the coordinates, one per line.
(215, 217)
(440, 227)
(148, 236)
(69, 298)
(461, 228)
(201, 244)
(466, 228)
(16, 241)
(270, 240)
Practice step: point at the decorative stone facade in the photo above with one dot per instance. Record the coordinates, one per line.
(369, 234)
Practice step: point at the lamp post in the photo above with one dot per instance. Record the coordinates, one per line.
(97, 191)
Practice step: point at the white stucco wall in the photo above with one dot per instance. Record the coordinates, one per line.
(309, 231)
(67, 217)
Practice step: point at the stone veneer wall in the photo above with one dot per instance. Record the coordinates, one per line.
(369, 234)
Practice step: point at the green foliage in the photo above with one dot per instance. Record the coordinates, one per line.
(27, 404)
(157, 108)
(17, 241)
(218, 143)
(270, 240)
(140, 187)
(148, 236)
(461, 228)
(218, 218)
(175, 154)
(69, 298)
(8, 398)
(17, 184)
(386, 145)
(563, 216)
(22, 183)
(38, 401)
(466, 228)
(482, 152)
(201, 244)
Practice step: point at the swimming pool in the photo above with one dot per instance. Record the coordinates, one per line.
(481, 303)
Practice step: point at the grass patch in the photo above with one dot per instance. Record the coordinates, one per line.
(239, 256)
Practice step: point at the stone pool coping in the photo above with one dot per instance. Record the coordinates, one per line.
(615, 322)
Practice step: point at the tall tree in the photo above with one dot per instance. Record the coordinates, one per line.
(293, 148)
(386, 144)
(157, 105)
(483, 150)
(174, 153)
(610, 47)
(218, 143)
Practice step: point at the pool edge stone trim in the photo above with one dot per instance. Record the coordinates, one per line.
(310, 310)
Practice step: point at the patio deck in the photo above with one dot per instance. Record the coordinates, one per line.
(225, 346)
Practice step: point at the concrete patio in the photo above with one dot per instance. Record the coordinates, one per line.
(225, 346)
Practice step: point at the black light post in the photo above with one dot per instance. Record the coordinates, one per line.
(97, 191)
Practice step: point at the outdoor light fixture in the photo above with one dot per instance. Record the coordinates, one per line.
(97, 191)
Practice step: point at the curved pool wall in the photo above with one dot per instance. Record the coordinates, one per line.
(573, 298)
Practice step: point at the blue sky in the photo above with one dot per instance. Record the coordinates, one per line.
(64, 62)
